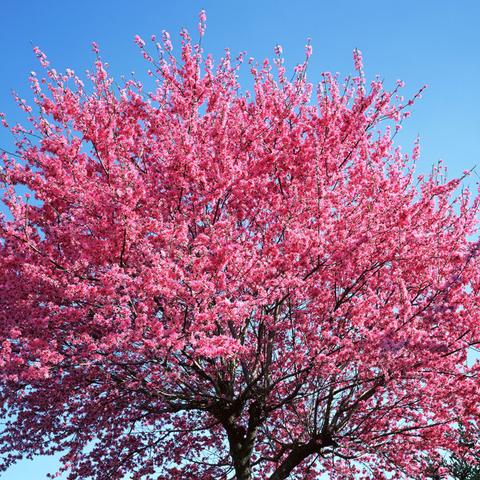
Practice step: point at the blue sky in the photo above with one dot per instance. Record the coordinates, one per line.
(427, 41)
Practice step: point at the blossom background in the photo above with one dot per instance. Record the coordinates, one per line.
(436, 42)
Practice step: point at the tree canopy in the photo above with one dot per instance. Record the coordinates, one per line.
(202, 282)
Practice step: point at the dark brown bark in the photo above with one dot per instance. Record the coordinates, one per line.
(241, 456)
(299, 453)
(242, 440)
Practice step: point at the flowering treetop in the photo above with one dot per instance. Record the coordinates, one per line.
(214, 284)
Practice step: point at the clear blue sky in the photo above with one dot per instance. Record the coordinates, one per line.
(419, 41)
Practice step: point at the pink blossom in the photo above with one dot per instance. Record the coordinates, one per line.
(167, 43)
(308, 50)
(139, 41)
(202, 23)
(358, 60)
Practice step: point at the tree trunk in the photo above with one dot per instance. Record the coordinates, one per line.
(242, 440)
(241, 452)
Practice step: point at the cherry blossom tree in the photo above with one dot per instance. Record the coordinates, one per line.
(202, 283)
